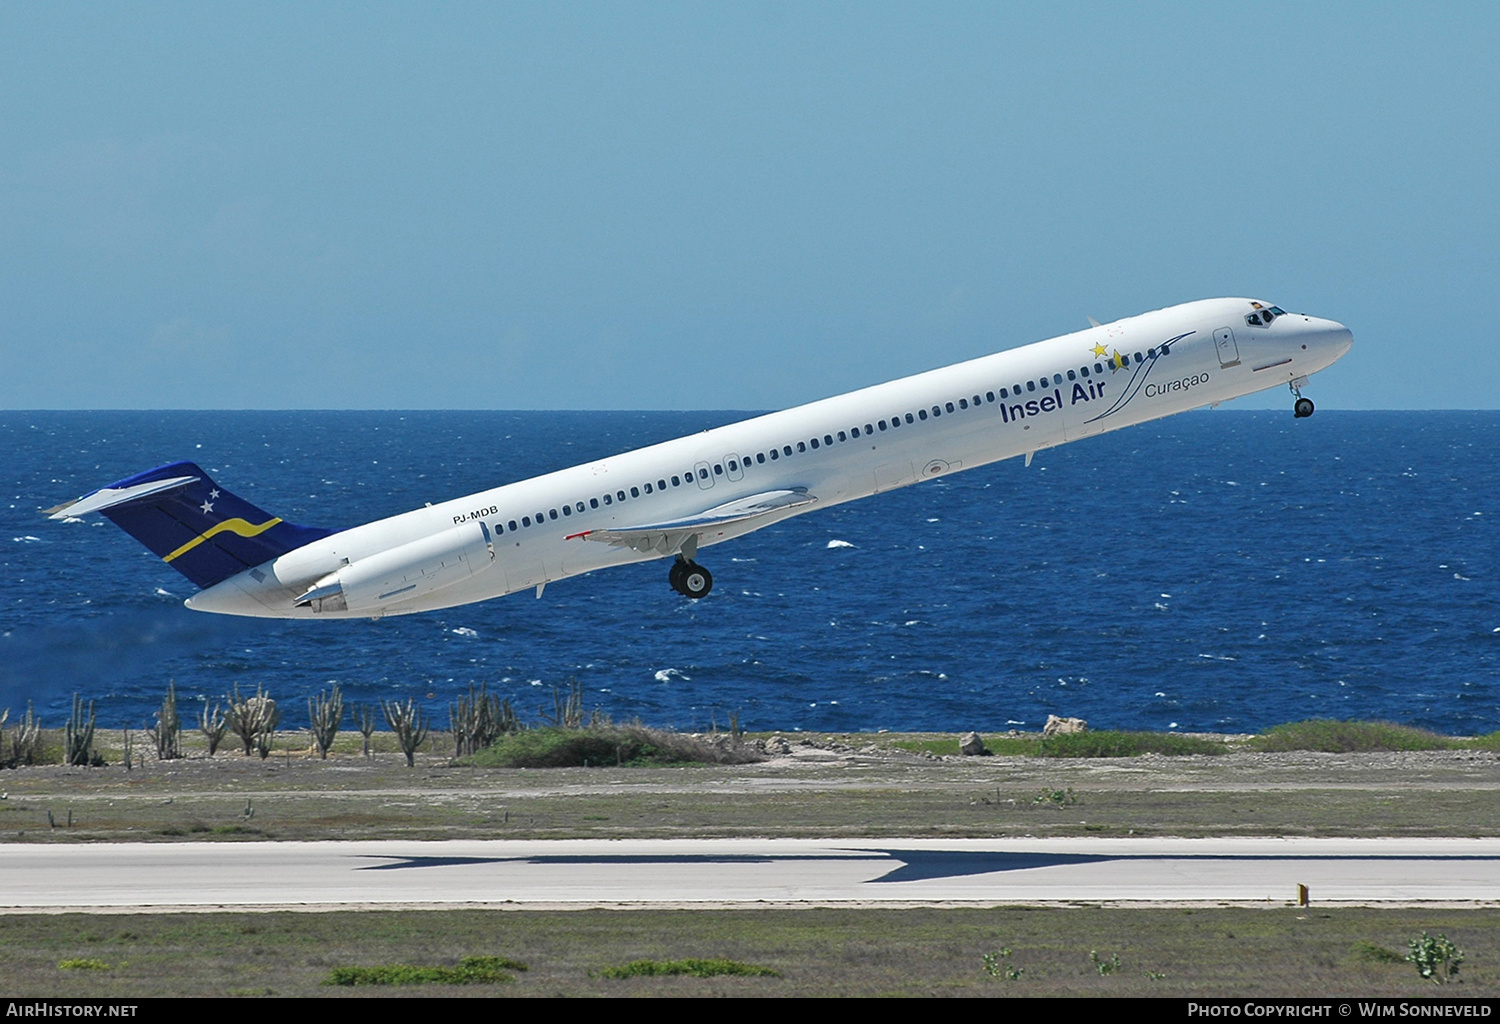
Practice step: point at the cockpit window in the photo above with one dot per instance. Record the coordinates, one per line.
(1263, 315)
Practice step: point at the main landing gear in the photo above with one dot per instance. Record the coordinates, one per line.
(1303, 407)
(690, 579)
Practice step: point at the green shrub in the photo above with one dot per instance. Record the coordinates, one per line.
(1113, 743)
(692, 967)
(1336, 737)
(471, 970)
(560, 747)
(1489, 741)
(1435, 957)
(83, 964)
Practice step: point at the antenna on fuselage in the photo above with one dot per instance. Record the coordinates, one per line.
(1094, 323)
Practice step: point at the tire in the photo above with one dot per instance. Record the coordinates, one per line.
(1303, 408)
(674, 575)
(696, 581)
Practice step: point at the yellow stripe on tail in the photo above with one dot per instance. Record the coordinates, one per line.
(239, 526)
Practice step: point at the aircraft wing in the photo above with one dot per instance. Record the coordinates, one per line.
(668, 536)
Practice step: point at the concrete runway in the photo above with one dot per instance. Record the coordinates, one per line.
(745, 872)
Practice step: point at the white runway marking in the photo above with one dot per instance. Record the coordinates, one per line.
(730, 871)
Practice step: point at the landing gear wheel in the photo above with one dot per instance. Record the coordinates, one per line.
(674, 575)
(694, 581)
(1302, 409)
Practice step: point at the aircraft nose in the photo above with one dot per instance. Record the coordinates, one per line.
(1335, 338)
(1329, 337)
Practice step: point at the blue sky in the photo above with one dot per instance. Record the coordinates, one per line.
(745, 206)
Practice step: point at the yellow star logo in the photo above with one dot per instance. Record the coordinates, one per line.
(1100, 350)
(1115, 362)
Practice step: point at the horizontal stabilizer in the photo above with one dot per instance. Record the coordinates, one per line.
(109, 497)
(668, 536)
(201, 530)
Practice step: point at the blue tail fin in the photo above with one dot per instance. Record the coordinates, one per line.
(197, 527)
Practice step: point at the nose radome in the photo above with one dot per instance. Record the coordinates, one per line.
(1343, 339)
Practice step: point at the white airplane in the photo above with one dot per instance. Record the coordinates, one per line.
(673, 499)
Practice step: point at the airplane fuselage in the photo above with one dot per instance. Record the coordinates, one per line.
(526, 534)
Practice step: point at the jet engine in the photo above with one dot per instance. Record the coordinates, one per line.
(404, 572)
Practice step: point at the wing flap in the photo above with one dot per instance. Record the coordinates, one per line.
(669, 535)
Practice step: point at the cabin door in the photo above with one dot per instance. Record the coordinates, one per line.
(1229, 352)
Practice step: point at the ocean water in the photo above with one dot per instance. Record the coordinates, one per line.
(1218, 571)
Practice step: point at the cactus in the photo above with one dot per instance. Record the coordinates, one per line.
(253, 720)
(167, 732)
(409, 722)
(78, 736)
(325, 714)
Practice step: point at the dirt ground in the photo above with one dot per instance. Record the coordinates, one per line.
(824, 786)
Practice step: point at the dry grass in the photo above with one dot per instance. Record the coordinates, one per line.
(919, 952)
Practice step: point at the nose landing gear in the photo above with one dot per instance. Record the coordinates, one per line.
(1303, 407)
(690, 579)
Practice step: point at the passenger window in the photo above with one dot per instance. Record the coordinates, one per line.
(1138, 358)
(760, 457)
(1098, 367)
(647, 486)
(869, 429)
(593, 503)
(733, 466)
(702, 474)
(844, 437)
(921, 414)
(828, 439)
(499, 529)
(802, 446)
(882, 424)
(525, 520)
(786, 449)
(1084, 370)
(608, 500)
(963, 403)
(1004, 392)
(1057, 378)
(909, 419)
(815, 442)
(620, 495)
(718, 469)
(677, 481)
(1072, 375)
(635, 492)
(579, 506)
(567, 510)
(775, 454)
(661, 485)
(552, 514)
(1030, 385)
(989, 396)
(512, 526)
